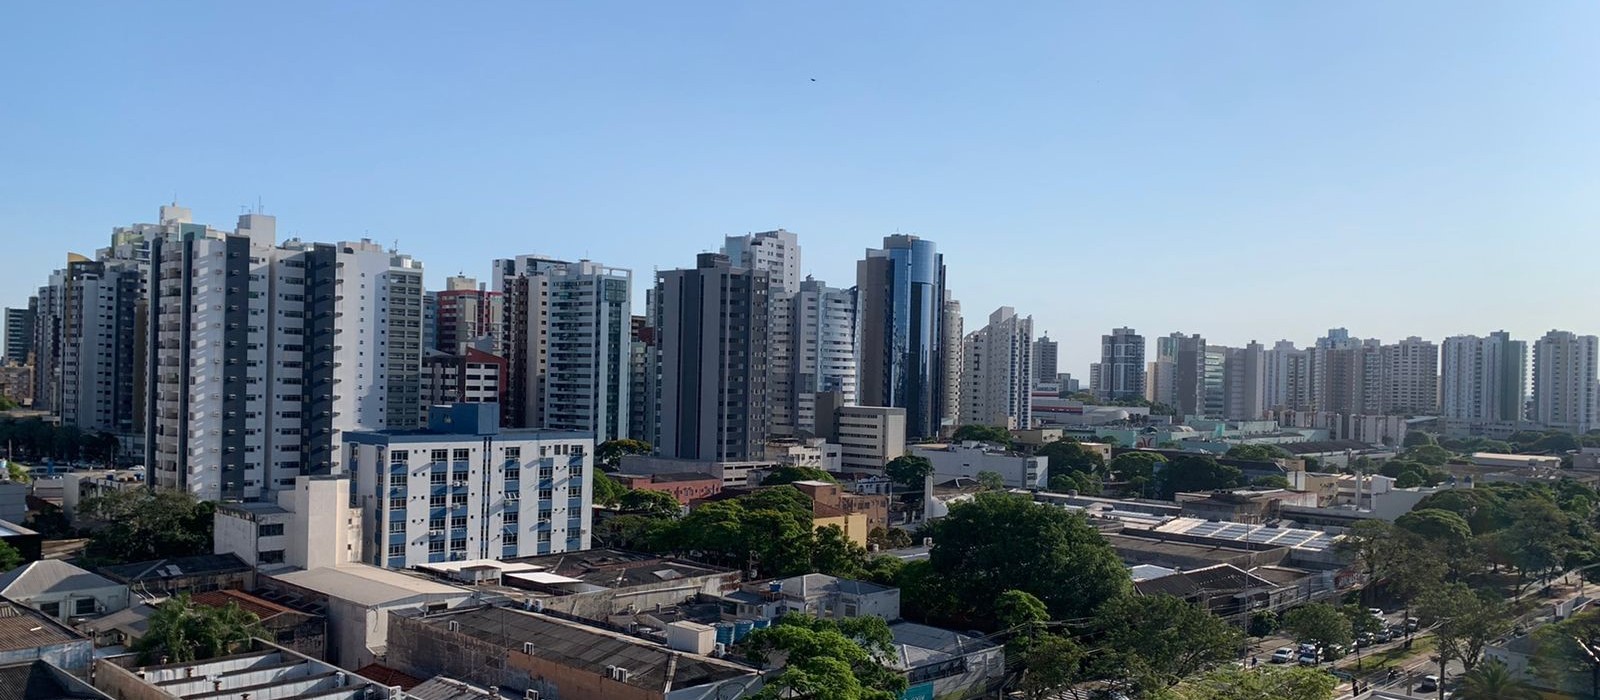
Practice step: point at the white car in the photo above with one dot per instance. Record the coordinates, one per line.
(1283, 655)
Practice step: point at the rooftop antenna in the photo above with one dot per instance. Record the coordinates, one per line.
(260, 208)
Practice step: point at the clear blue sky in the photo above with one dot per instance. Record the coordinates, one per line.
(1239, 169)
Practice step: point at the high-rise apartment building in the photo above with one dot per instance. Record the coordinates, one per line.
(568, 342)
(463, 488)
(997, 384)
(19, 334)
(821, 335)
(1483, 379)
(1121, 367)
(1045, 355)
(1243, 385)
(1564, 391)
(464, 313)
(778, 254)
(96, 368)
(712, 324)
(642, 376)
(1410, 377)
(1287, 377)
(262, 355)
(775, 252)
(1213, 381)
(954, 329)
(1179, 374)
(904, 339)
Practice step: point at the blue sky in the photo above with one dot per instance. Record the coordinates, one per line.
(1238, 169)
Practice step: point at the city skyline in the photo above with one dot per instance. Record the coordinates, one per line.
(1304, 186)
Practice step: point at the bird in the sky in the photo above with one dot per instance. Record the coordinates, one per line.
(813, 80)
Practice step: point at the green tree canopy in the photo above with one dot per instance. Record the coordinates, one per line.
(10, 558)
(1153, 642)
(1259, 453)
(1050, 663)
(908, 470)
(1493, 681)
(607, 491)
(1071, 457)
(1437, 525)
(1320, 624)
(790, 474)
(991, 481)
(1016, 608)
(1137, 469)
(1464, 621)
(999, 542)
(982, 433)
(1417, 438)
(184, 631)
(1266, 683)
(1197, 473)
(1431, 455)
(141, 524)
(610, 453)
(1270, 481)
(651, 504)
(845, 659)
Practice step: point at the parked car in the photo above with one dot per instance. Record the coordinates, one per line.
(1308, 659)
(1412, 624)
(1383, 635)
(1283, 655)
(1429, 684)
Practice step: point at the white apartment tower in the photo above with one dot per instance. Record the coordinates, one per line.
(263, 355)
(775, 252)
(822, 354)
(1564, 391)
(1287, 377)
(997, 377)
(1483, 379)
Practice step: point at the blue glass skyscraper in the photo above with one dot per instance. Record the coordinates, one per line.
(901, 303)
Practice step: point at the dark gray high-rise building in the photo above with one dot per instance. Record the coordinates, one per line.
(904, 358)
(19, 333)
(712, 324)
(1045, 352)
(1121, 370)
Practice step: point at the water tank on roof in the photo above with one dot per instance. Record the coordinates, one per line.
(775, 587)
(742, 628)
(724, 633)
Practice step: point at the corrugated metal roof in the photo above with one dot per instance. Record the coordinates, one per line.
(21, 628)
(50, 576)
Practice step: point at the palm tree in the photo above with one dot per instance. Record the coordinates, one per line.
(182, 630)
(1493, 681)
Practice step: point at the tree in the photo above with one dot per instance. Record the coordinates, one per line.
(1570, 650)
(982, 433)
(1082, 482)
(651, 504)
(909, 470)
(10, 558)
(991, 481)
(1555, 442)
(1443, 527)
(888, 538)
(636, 532)
(182, 631)
(1001, 541)
(1361, 621)
(1431, 455)
(1159, 640)
(1320, 624)
(790, 474)
(607, 491)
(1493, 681)
(1137, 470)
(1267, 683)
(1256, 453)
(17, 472)
(1071, 457)
(1539, 538)
(1050, 663)
(1016, 608)
(1417, 438)
(1263, 623)
(610, 453)
(835, 555)
(1464, 621)
(845, 659)
(1270, 481)
(141, 524)
(1197, 473)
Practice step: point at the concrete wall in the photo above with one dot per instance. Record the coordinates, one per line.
(109, 600)
(601, 604)
(122, 684)
(71, 656)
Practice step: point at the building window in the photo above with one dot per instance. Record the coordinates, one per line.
(511, 517)
(575, 472)
(458, 499)
(441, 455)
(397, 481)
(546, 472)
(399, 457)
(52, 610)
(270, 530)
(83, 606)
(397, 550)
(274, 556)
(438, 478)
(397, 503)
(513, 474)
(436, 523)
(545, 494)
(510, 539)
(458, 545)
(513, 453)
(397, 526)
(436, 547)
(544, 537)
(463, 455)
(544, 515)
(436, 501)
(513, 496)
(458, 522)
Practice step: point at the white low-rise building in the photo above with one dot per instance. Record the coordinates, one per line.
(466, 489)
(969, 459)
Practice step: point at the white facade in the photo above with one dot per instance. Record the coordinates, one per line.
(1410, 377)
(971, 459)
(1287, 377)
(1483, 379)
(821, 355)
(997, 376)
(811, 452)
(458, 491)
(311, 525)
(1564, 391)
(776, 252)
(869, 436)
(264, 355)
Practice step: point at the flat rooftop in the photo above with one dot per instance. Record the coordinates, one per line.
(587, 648)
(609, 568)
(177, 567)
(366, 584)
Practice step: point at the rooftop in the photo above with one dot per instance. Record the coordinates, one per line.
(441, 688)
(22, 628)
(818, 584)
(366, 584)
(260, 508)
(50, 576)
(11, 529)
(38, 680)
(682, 476)
(159, 569)
(266, 671)
(1324, 446)
(261, 607)
(388, 677)
(920, 645)
(609, 568)
(1257, 536)
(587, 648)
